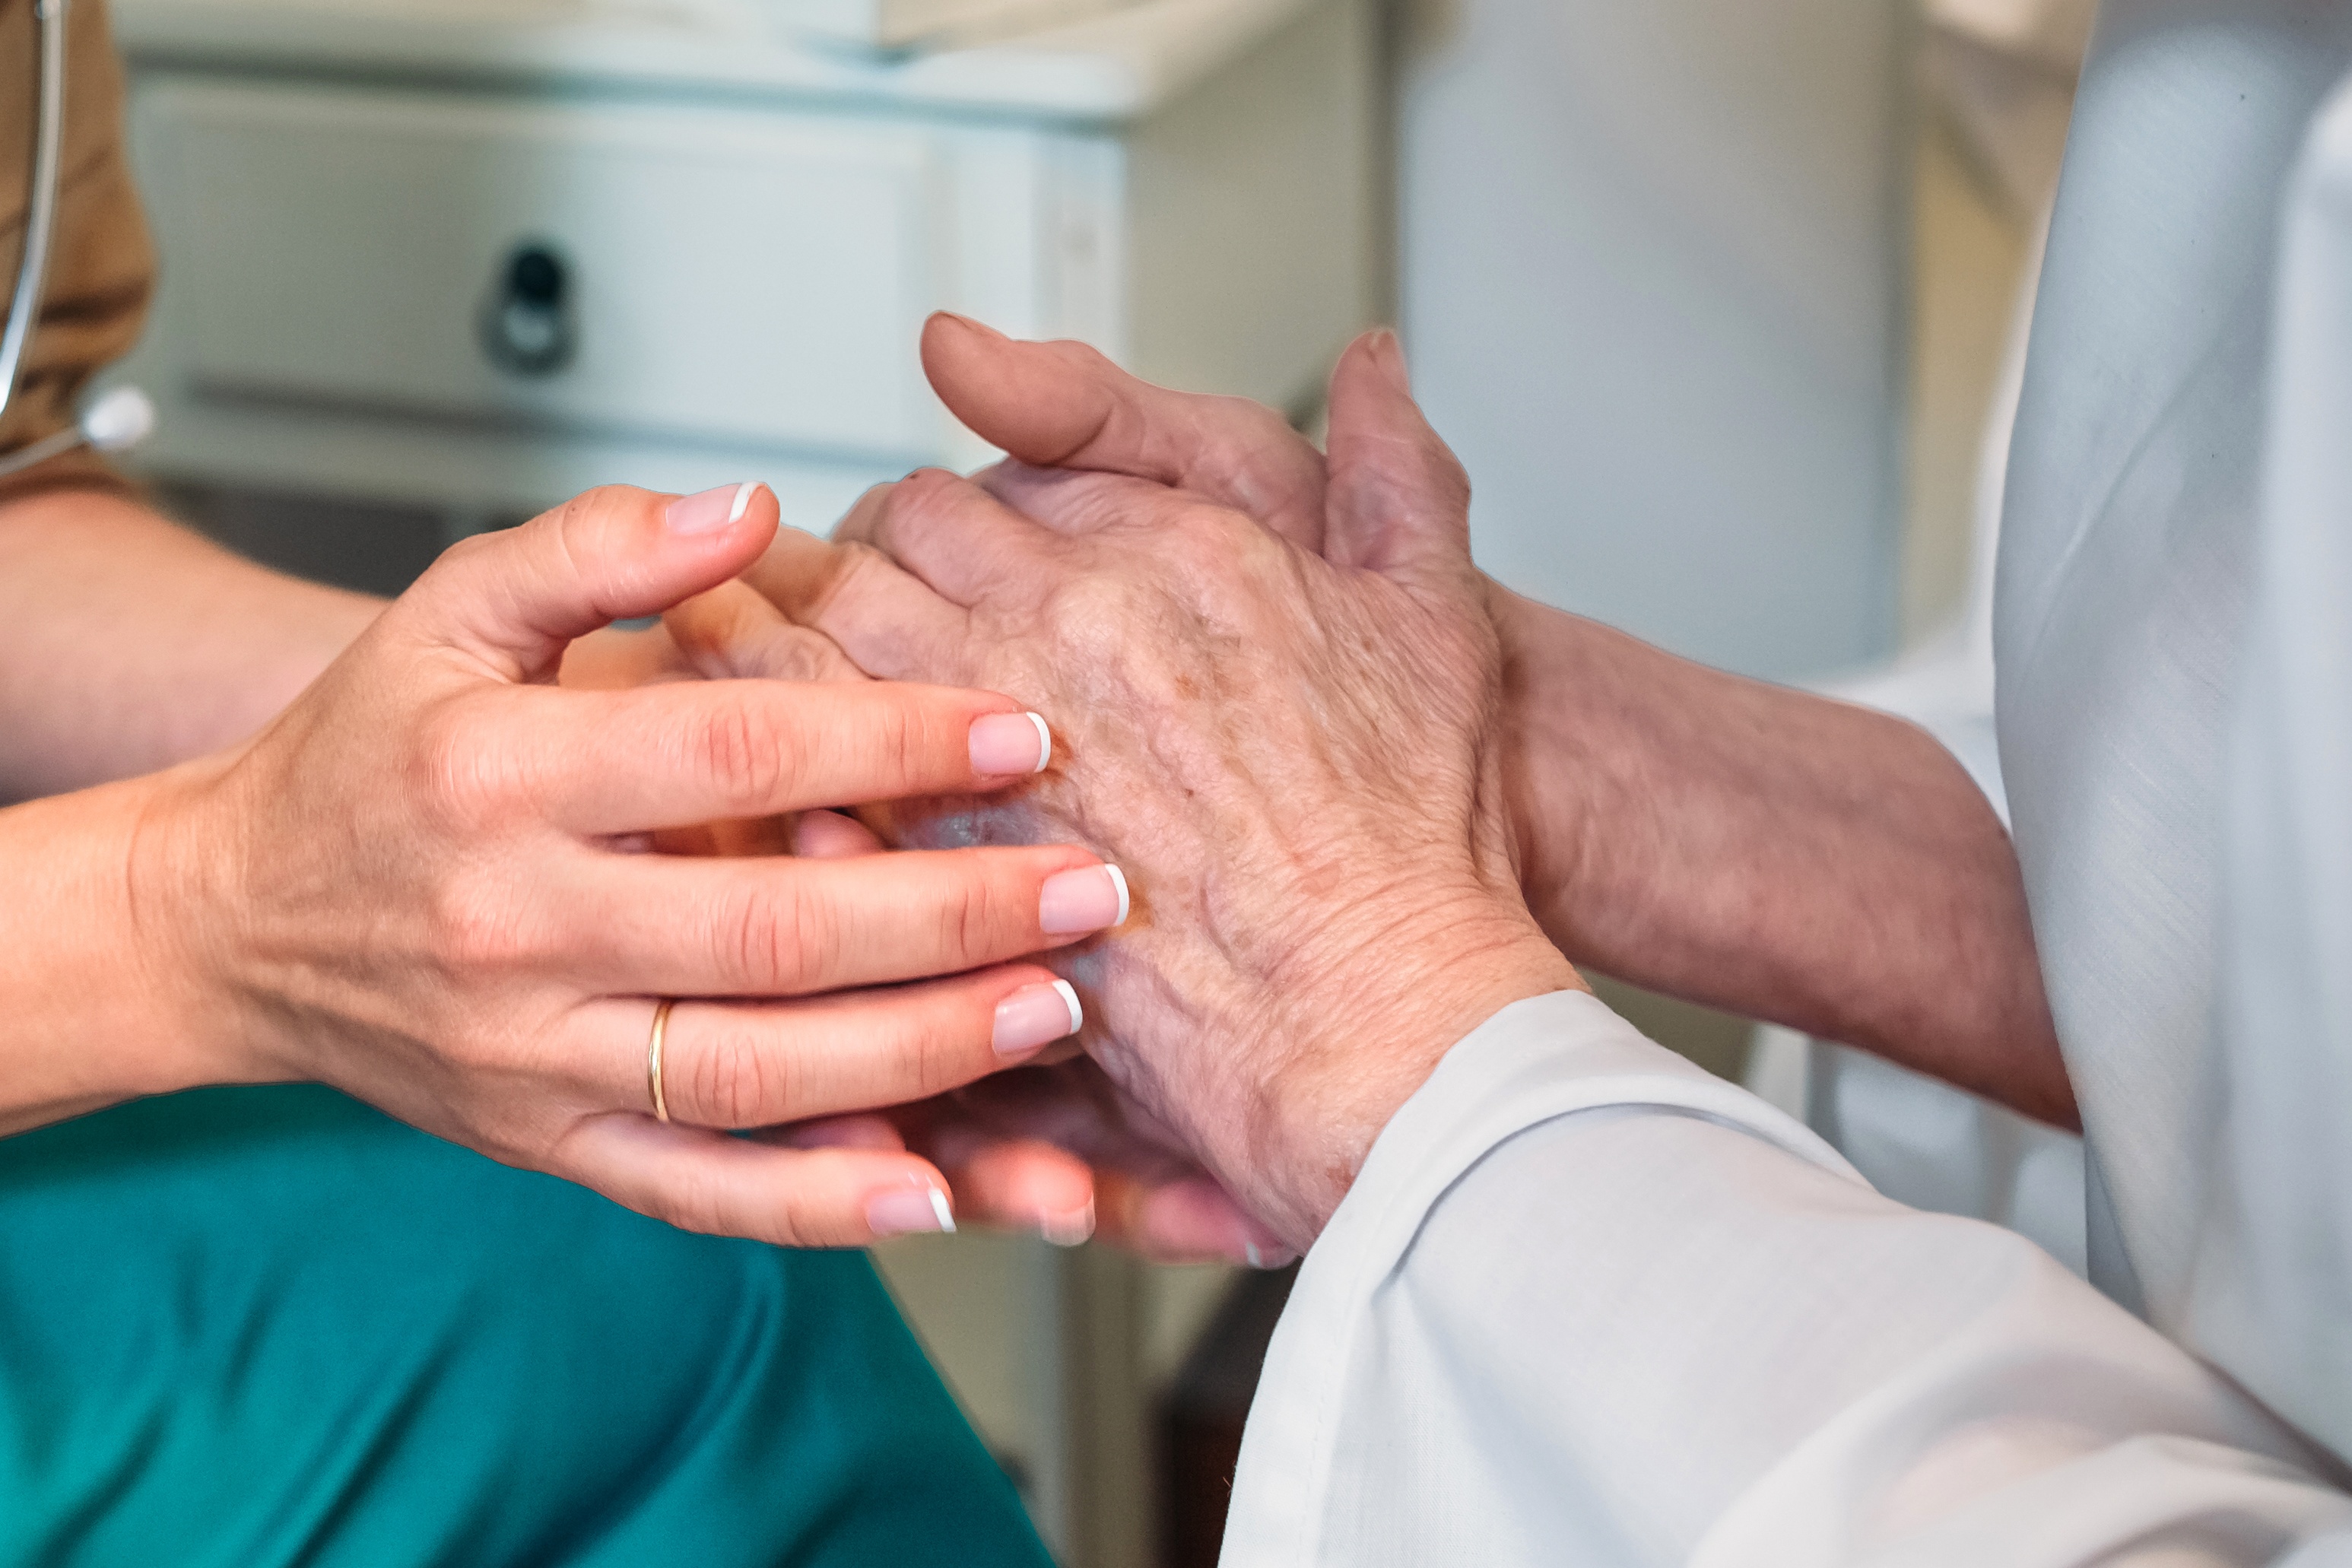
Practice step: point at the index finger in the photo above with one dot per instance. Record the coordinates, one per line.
(673, 756)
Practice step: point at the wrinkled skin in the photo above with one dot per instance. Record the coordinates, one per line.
(1292, 756)
(1053, 1146)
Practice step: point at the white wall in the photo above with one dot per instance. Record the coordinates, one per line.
(1650, 279)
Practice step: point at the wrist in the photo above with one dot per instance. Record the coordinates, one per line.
(103, 1002)
(1624, 768)
(184, 914)
(1561, 759)
(1363, 1045)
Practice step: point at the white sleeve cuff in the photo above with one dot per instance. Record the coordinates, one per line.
(1534, 1060)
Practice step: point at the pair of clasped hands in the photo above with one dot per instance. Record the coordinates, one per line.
(1168, 721)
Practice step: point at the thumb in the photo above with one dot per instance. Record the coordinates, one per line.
(515, 599)
(1400, 502)
(1064, 406)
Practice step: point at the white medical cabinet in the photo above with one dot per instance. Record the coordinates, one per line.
(481, 255)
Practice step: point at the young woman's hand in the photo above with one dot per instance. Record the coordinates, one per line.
(435, 882)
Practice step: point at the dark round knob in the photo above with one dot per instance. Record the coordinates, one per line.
(526, 324)
(535, 275)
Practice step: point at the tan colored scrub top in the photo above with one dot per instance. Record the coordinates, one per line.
(101, 265)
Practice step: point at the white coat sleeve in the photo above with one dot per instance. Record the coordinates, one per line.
(1587, 1304)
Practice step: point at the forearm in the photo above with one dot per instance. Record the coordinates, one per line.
(1773, 852)
(128, 644)
(96, 997)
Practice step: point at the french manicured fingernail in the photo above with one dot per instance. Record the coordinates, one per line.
(711, 509)
(1071, 1229)
(905, 1211)
(1036, 1016)
(1011, 743)
(1093, 897)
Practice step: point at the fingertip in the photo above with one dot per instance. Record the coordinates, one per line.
(1387, 352)
(1041, 401)
(915, 1205)
(609, 554)
(1027, 1185)
(1010, 745)
(1074, 1227)
(1374, 362)
(746, 505)
(950, 326)
(1196, 1218)
(832, 836)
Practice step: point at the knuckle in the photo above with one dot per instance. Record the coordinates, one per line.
(750, 760)
(1095, 604)
(925, 1058)
(784, 939)
(461, 775)
(1098, 626)
(860, 568)
(972, 914)
(476, 926)
(738, 1080)
(589, 513)
(896, 737)
(1199, 542)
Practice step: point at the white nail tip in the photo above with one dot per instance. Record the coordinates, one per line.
(742, 501)
(1045, 742)
(1072, 1230)
(1249, 1251)
(940, 1209)
(1070, 1000)
(1118, 881)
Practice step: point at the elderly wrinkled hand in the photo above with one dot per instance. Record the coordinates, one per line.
(1291, 755)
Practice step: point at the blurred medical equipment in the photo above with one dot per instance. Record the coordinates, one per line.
(123, 416)
(40, 200)
(116, 420)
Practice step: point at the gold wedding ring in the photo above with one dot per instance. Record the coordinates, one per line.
(653, 1057)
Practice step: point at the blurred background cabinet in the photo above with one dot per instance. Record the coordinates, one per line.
(472, 259)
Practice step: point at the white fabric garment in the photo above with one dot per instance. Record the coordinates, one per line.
(2129, 546)
(1586, 1305)
(2271, 1292)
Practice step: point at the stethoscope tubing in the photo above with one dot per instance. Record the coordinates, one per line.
(41, 206)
